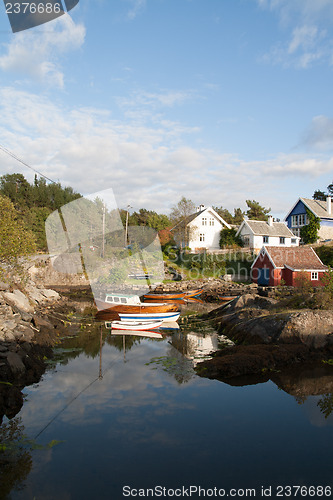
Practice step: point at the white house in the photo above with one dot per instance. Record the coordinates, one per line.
(256, 233)
(201, 230)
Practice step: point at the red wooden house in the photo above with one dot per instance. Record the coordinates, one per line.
(274, 264)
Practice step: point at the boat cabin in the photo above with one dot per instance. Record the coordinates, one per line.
(122, 299)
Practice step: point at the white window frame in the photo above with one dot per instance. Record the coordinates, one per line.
(204, 221)
(265, 239)
(302, 220)
(282, 240)
(211, 221)
(314, 275)
(202, 237)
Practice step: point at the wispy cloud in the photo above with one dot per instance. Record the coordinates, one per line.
(137, 7)
(319, 135)
(34, 54)
(306, 46)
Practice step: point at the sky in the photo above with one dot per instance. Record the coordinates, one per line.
(219, 101)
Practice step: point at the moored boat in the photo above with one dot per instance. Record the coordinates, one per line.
(173, 296)
(164, 316)
(123, 303)
(135, 325)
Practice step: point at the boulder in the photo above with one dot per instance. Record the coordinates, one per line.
(15, 363)
(19, 300)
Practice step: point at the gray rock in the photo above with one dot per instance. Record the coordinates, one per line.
(19, 300)
(50, 294)
(15, 363)
(4, 286)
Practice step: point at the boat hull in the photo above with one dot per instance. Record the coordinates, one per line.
(164, 316)
(139, 325)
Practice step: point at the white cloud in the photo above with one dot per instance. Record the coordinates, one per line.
(151, 167)
(34, 54)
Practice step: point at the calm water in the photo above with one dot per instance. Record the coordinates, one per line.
(140, 417)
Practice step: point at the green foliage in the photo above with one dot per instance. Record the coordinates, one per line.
(309, 232)
(256, 211)
(325, 253)
(224, 213)
(326, 404)
(15, 239)
(33, 203)
(319, 195)
(228, 238)
(238, 216)
(327, 281)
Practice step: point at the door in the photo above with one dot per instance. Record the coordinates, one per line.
(263, 276)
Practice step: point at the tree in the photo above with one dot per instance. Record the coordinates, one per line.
(15, 239)
(224, 213)
(179, 217)
(238, 216)
(309, 232)
(183, 209)
(319, 195)
(228, 238)
(256, 211)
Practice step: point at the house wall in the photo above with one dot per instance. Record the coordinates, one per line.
(290, 277)
(298, 210)
(211, 233)
(257, 242)
(263, 262)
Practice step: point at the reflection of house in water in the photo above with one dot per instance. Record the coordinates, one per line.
(195, 346)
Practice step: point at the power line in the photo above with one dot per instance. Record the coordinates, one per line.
(13, 155)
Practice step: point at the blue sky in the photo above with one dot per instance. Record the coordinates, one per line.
(216, 100)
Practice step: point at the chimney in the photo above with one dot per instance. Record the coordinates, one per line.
(270, 220)
(200, 207)
(329, 205)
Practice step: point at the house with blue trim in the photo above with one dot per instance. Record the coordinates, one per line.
(296, 218)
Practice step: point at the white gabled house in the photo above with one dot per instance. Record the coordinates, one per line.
(256, 233)
(201, 230)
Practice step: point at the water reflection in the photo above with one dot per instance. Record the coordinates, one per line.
(152, 413)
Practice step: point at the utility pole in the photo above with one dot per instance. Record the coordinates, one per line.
(126, 227)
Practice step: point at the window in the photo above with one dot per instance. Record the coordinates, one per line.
(294, 220)
(297, 232)
(293, 241)
(123, 300)
(265, 239)
(282, 240)
(314, 276)
(211, 221)
(302, 220)
(202, 237)
(204, 221)
(246, 240)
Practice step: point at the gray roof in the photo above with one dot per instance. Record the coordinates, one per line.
(318, 207)
(262, 228)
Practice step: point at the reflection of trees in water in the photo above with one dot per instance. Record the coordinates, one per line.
(15, 458)
(325, 404)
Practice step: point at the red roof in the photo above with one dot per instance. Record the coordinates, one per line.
(296, 258)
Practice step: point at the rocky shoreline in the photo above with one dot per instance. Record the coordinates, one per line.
(268, 339)
(32, 320)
